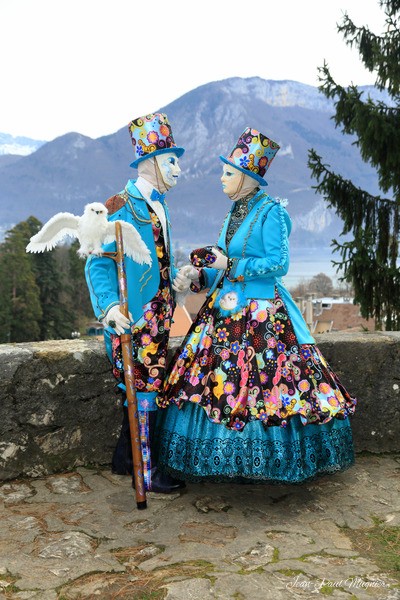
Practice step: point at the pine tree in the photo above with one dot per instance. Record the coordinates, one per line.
(80, 297)
(38, 301)
(370, 260)
(56, 321)
(20, 310)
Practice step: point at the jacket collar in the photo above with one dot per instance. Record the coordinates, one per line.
(260, 195)
(147, 190)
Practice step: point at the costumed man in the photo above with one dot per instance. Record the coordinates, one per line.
(151, 290)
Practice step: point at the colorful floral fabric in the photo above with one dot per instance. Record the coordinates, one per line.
(151, 135)
(248, 366)
(253, 154)
(151, 333)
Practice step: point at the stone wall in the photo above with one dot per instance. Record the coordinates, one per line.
(59, 409)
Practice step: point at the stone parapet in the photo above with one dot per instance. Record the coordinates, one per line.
(59, 409)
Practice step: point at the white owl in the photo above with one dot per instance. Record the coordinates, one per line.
(92, 230)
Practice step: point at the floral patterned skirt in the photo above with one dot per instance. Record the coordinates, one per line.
(150, 337)
(247, 388)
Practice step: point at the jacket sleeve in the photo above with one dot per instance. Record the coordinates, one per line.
(102, 281)
(275, 261)
(101, 277)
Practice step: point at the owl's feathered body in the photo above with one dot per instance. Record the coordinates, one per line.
(92, 230)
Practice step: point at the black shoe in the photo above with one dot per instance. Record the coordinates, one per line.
(162, 483)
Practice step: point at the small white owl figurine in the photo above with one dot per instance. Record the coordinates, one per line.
(92, 230)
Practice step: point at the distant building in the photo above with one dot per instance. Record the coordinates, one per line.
(329, 314)
(94, 328)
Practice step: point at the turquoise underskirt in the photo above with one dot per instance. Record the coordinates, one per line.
(193, 448)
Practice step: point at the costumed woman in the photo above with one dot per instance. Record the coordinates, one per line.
(249, 396)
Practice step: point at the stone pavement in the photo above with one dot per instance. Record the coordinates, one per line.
(78, 535)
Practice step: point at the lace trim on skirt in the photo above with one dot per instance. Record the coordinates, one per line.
(193, 448)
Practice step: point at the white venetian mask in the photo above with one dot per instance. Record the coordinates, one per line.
(168, 164)
(231, 180)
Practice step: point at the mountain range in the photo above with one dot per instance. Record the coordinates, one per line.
(72, 170)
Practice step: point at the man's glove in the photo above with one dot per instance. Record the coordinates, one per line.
(184, 278)
(115, 319)
(221, 262)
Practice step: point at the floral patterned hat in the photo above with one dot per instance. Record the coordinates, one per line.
(151, 135)
(253, 154)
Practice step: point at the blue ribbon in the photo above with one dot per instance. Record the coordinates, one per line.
(155, 195)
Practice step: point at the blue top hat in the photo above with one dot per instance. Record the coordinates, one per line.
(253, 154)
(151, 135)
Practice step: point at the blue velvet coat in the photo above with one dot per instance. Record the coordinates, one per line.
(260, 257)
(142, 280)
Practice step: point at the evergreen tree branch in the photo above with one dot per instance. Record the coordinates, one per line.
(378, 53)
(376, 126)
(391, 7)
(333, 186)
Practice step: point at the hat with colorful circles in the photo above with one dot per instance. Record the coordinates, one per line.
(253, 154)
(151, 135)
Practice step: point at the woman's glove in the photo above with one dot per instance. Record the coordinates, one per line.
(221, 261)
(209, 256)
(115, 319)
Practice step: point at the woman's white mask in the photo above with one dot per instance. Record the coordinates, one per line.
(236, 184)
(231, 180)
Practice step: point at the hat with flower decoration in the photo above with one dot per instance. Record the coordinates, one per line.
(252, 154)
(151, 135)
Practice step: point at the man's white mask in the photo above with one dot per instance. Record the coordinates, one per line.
(168, 163)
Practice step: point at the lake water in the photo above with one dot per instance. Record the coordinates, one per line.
(305, 264)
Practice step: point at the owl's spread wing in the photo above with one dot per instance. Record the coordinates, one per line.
(53, 232)
(134, 246)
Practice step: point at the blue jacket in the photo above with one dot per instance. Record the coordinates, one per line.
(260, 257)
(142, 281)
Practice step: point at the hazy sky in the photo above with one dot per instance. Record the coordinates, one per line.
(92, 65)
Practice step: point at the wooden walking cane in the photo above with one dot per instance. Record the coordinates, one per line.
(126, 343)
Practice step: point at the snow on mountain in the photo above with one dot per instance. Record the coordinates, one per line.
(18, 145)
(286, 93)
